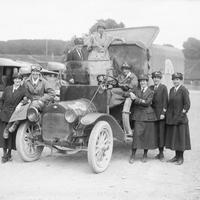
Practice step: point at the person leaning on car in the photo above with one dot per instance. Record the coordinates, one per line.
(143, 116)
(38, 90)
(12, 97)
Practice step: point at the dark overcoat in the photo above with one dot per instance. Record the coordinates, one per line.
(9, 102)
(143, 115)
(160, 100)
(178, 101)
(159, 104)
(177, 129)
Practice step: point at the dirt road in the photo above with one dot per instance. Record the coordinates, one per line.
(60, 177)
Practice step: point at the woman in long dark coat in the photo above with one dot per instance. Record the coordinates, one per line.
(159, 104)
(10, 99)
(144, 136)
(177, 130)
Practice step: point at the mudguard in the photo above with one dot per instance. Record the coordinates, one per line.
(93, 118)
(20, 114)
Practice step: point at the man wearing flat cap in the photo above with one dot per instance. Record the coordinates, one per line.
(159, 104)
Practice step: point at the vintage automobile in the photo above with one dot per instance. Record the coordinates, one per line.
(83, 119)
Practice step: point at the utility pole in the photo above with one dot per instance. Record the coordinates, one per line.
(46, 48)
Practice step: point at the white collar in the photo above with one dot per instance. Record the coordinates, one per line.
(128, 75)
(15, 88)
(144, 89)
(176, 88)
(35, 81)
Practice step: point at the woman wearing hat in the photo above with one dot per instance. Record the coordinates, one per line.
(99, 42)
(177, 130)
(159, 104)
(144, 136)
(11, 98)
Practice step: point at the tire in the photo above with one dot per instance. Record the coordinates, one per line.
(100, 147)
(26, 148)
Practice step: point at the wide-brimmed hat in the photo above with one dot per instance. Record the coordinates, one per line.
(17, 76)
(36, 68)
(101, 24)
(143, 77)
(177, 75)
(157, 74)
(125, 66)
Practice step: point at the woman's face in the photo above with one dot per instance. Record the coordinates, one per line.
(176, 82)
(35, 74)
(156, 80)
(17, 82)
(100, 30)
(143, 83)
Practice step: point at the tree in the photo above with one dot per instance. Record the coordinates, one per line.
(191, 48)
(109, 23)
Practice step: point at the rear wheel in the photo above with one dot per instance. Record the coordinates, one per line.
(100, 146)
(25, 143)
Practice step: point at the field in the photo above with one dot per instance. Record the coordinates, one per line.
(57, 177)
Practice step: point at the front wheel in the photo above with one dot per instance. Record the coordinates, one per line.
(25, 143)
(100, 146)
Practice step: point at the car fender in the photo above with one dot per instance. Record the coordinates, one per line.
(93, 118)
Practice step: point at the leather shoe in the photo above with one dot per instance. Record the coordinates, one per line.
(4, 159)
(174, 159)
(179, 161)
(132, 159)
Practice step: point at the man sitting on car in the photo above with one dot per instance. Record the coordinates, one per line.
(127, 80)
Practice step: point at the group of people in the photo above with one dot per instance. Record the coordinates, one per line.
(160, 120)
(35, 89)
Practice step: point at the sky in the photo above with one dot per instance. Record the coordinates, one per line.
(62, 19)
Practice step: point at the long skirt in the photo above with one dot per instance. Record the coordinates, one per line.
(7, 143)
(178, 137)
(160, 129)
(144, 136)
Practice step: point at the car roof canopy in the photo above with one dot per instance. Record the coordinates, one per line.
(136, 35)
(9, 63)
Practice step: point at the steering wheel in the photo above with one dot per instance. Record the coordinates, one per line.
(107, 80)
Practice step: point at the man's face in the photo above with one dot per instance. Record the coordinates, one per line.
(17, 82)
(35, 74)
(156, 80)
(143, 83)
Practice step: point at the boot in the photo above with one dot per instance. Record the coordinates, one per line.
(4, 158)
(9, 156)
(160, 156)
(132, 157)
(144, 158)
(175, 158)
(180, 158)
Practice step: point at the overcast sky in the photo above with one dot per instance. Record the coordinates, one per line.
(62, 19)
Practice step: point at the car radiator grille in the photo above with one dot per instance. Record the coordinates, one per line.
(54, 126)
